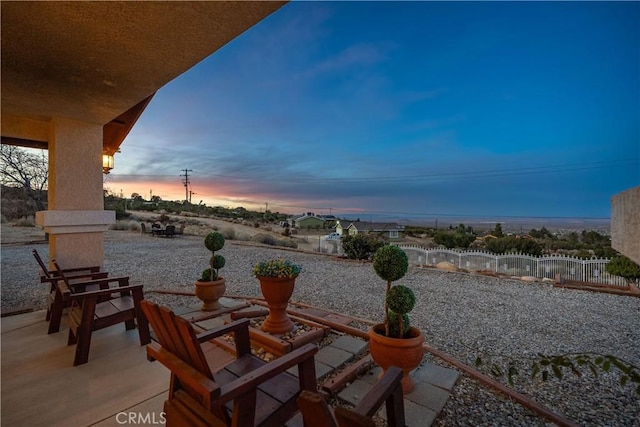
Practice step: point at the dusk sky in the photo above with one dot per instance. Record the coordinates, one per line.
(415, 109)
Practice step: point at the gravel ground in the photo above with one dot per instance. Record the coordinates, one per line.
(465, 315)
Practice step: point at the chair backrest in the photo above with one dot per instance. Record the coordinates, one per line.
(44, 268)
(176, 335)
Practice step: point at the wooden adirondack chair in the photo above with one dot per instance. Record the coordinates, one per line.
(245, 392)
(75, 277)
(388, 390)
(94, 310)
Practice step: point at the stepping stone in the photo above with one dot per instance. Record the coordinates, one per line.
(338, 318)
(414, 415)
(230, 302)
(355, 391)
(351, 344)
(436, 375)
(322, 370)
(429, 396)
(333, 356)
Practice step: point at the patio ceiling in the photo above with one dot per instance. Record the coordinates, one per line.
(101, 62)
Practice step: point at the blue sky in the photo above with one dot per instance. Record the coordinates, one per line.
(412, 108)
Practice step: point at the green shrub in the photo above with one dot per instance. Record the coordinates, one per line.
(401, 299)
(218, 261)
(213, 241)
(624, 267)
(390, 263)
(512, 244)
(276, 268)
(361, 246)
(206, 275)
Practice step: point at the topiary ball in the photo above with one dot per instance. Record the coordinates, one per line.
(390, 263)
(401, 299)
(214, 241)
(206, 275)
(218, 261)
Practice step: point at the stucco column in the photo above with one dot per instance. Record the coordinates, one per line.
(76, 219)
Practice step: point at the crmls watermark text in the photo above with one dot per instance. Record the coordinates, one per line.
(140, 418)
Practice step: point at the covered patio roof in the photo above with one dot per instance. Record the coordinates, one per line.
(101, 62)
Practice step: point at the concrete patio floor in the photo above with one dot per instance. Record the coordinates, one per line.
(40, 387)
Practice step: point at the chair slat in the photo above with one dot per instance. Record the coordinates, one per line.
(193, 346)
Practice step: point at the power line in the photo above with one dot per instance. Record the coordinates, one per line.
(492, 173)
(449, 175)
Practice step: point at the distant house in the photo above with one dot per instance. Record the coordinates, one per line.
(309, 221)
(390, 230)
(329, 220)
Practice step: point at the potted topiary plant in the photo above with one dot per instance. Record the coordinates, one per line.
(277, 279)
(211, 286)
(395, 342)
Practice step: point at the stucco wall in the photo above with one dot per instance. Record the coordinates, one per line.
(625, 223)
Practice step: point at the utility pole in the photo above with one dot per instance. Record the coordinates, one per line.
(185, 181)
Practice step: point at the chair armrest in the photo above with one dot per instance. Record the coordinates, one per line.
(90, 276)
(242, 385)
(187, 375)
(223, 330)
(380, 392)
(92, 269)
(101, 292)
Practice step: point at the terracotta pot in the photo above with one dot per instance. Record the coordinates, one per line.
(405, 353)
(277, 291)
(209, 293)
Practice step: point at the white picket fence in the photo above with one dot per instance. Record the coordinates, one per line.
(584, 270)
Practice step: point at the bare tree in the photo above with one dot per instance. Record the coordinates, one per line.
(26, 169)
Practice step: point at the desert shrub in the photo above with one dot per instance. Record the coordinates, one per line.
(361, 246)
(25, 221)
(288, 243)
(244, 237)
(268, 239)
(125, 226)
(229, 233)
(256, 225)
